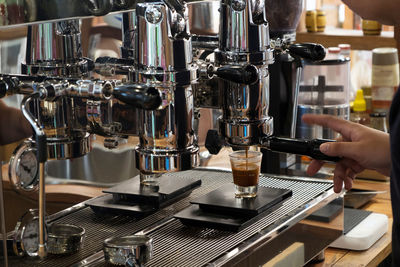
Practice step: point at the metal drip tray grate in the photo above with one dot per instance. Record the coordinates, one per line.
(174, 243)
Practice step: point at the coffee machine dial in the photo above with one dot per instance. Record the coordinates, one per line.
(26, 237)
(23, 167)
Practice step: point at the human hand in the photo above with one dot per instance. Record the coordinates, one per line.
(360, 147)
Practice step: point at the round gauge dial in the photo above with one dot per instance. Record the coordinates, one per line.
(27, 168)
(24, 167)
(30, 237)
(26, 234)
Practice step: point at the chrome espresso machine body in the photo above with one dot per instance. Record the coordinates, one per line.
(153, 91)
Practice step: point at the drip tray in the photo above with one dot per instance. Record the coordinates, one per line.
(219, 209)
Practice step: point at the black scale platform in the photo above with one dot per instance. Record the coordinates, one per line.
(132, 198)
(221, 210)
(218, 209)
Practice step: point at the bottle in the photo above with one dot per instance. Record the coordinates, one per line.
(345, 50)
(385, 78)
(360, 114)
(333, 53)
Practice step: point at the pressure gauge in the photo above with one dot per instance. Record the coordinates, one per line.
(26, 234)
(23, 169)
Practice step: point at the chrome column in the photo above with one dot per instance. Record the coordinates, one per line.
(162, 52)
(244, 40)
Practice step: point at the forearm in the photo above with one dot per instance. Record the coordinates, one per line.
(384, 11)
(13, 125)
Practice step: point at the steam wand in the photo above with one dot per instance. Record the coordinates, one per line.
(42, 157)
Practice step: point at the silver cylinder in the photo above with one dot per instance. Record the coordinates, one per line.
(244, 40)
(162, 53)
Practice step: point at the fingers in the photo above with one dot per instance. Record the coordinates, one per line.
(314, 167)
(340, 149)
(345, 173)
(343, 127)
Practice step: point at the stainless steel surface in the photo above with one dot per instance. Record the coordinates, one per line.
(100, 167)
(157, 37)
(42, 252)
(244, 39)
(178, 245)
(204, 17)
(34, 11)
(133, 250)
(64, 238)
(295, 102)
(68, 148)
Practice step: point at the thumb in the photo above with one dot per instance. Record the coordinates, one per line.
(339, 149)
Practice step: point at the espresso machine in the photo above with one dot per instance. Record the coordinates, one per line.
(167, 74)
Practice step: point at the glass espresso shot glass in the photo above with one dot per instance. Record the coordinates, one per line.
(245, 170)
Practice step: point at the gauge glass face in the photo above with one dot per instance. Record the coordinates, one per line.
(30, 237)
(27, 168)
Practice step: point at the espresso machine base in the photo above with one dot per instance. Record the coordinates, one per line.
(179, 245)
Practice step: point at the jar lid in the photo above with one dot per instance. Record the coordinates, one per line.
(384, 56)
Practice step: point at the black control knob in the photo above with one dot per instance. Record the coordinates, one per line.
(214, 142)
(139, 96)
(239, 74)
(308, 51)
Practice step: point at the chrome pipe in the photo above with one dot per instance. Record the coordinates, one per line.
(299, 70)
(3, 219)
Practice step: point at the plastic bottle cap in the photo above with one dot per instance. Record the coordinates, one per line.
(359, 103)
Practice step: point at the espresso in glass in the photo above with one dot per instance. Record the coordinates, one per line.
(245, 171)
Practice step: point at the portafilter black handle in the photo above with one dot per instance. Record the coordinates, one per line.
(308, 51)
(139, 96)
(299, 146)
(239, 74)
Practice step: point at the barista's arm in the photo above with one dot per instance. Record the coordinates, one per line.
(384, 11)
(13, 125)
(360, 147)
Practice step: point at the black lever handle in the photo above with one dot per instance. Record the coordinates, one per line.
(308, 51)
(214, 142)
(139, 96)
(239, 74)
(301, 147)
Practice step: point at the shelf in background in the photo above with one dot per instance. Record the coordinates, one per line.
(355, 38)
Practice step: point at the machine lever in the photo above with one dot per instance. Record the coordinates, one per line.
(239, 74)
(299, 146)
(307, 51)
(214, 142)
(139, 96)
